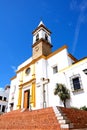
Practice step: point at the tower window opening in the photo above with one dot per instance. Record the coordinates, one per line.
(37, 37)
(46, 37)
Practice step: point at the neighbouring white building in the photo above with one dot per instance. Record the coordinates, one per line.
(4, 95)
(36, 78)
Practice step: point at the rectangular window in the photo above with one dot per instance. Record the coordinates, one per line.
(76, 83)
(55, 69)
(0, 97)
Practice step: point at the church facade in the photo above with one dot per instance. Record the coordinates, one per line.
(35, 80)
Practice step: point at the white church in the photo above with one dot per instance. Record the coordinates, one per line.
(35, 80)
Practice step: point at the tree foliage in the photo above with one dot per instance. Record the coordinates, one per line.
(83, 108)
(62, 92)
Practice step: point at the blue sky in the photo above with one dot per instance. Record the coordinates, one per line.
(67, 19)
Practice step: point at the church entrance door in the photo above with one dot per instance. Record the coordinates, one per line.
(26, 98)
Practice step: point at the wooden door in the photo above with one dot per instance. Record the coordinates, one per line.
(26, 99)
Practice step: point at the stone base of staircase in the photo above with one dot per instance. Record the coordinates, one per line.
(62, 119)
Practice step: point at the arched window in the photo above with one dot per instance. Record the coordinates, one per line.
(37, 37)
(27, 71)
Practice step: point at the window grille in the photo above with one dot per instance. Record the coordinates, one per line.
(76, 83)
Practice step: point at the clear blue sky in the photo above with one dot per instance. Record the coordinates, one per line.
(67, 19)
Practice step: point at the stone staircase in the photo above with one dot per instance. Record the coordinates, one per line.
(64, 122)
(43, 119)
(78, 118)
(56, 118)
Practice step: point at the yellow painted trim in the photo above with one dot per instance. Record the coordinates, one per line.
(26, 66)
(78, 62)
(19, 98)
(57, 51)
(21, 78)
(26, 83)
(21, 85)
(33, 94)
(42, 56)
(32, 62)
(72, 57)
(33, 71)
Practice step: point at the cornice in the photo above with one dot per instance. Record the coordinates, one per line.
(41, 40)
(42, 56)
(57, 51)
(27, 83)
(75, 64)
(40, 27)
(72, 57)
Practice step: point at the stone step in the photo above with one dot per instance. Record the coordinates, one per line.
(66, 126)
(64, 121)
(61, 117)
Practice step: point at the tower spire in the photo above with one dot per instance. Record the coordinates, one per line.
(41, 23)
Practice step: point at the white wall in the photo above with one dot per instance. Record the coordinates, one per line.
(4, 93)
(44, 69)
(65, 70)
(78, 98)
(13, 95)
(41, 72)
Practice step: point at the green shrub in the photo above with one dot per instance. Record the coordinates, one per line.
(83, 108)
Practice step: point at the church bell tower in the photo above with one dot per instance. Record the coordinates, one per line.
(41, 41)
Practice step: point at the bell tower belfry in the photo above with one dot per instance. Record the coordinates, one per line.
(41, 41)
